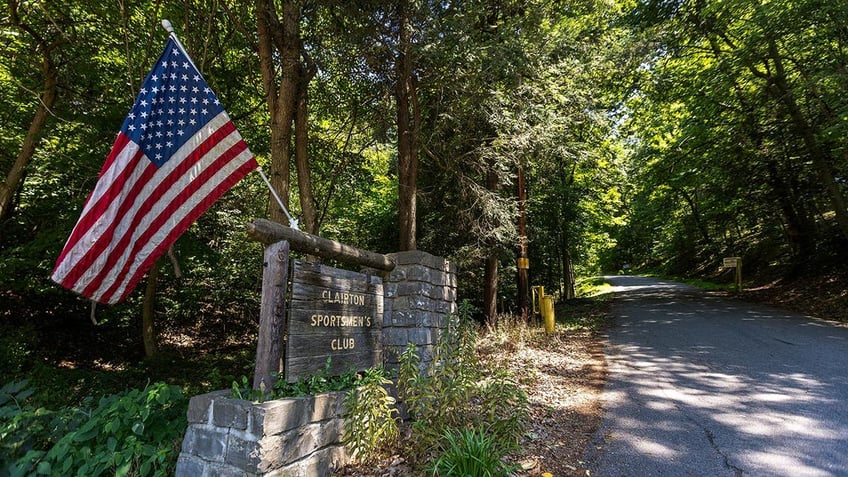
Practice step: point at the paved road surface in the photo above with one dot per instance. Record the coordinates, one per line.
(706, 386)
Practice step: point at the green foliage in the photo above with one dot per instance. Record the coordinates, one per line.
(371, 427)
(136, 432)
(320, 382)
(469, 453)
(454, 392)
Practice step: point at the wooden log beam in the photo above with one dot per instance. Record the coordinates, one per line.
(268, 232)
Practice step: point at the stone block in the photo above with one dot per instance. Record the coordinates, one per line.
(395, 337)
(397, 275)
(243, 453)
(420, 336)
(327, 406)
(420, 303)
(322, 463)
(414, 289)
(230, 413)
(390, 290)
(299, 443)
(224, 470)
(275, 417)
(426, 353)
(200, 406)
(410, 257)
(188, 441)
(189, 466)
(418, 275)
(207, 443)
(450, 294)
(444, 307)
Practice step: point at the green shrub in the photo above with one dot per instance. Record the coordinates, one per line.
(136, 432)
(371, 427)
(469, 453)
(454, 393)
(24, 428)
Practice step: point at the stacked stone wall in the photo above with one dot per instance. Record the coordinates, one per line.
(419, 294)
(287, 437)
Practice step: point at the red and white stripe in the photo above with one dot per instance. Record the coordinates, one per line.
(137, 210)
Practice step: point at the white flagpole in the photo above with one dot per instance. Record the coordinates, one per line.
(292, 220)
(166, 24)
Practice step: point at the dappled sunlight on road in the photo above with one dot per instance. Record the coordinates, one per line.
(701, 386)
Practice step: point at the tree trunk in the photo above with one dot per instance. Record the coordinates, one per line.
(279, 37)
(490, 290)
(490, 278)
(568, 276)
(304, 178)
(10, 186)
(148, 332)
(405, 97)
(696, 216)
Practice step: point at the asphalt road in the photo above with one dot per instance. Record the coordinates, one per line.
(700, 385)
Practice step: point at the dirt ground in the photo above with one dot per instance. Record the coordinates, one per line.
(564, 376)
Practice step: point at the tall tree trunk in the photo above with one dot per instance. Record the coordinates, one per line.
(279, 36)
(407, 124)
(799, 230)
(490, 289)
(568, 274)
(696, 216)
(304, 177)
(567, 266)
(46, 101)
(490, 278)
(148, 332)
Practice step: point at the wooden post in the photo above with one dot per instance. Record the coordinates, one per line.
(272, 315)
(739, 275)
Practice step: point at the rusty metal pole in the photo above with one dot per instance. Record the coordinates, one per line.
(523, 260)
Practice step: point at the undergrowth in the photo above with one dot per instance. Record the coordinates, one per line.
(455, 394)
(135, 432)
(321, 382)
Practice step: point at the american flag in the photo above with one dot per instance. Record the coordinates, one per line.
(176, 154)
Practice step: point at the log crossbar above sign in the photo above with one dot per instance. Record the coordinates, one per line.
(268, 232)
(333, 313)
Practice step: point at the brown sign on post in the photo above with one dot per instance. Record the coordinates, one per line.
(735, 262)
(332, 313)
(730, 262)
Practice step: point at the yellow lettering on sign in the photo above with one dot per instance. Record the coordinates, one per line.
(344, 298)
(340, 321)
(340, 344)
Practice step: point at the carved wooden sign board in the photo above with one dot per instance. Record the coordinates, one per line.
(332, 313)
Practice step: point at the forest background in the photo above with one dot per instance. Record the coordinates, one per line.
(647, 134)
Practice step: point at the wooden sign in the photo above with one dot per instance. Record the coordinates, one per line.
(731, 262)
(332, 313)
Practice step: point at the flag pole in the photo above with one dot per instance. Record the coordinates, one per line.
(292, 220)
(166, 24)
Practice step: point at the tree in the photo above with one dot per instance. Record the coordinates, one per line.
(44, 41)
(280, 42)
(408, 121)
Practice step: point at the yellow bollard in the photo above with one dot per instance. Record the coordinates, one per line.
(544, 305)
(548, 313)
